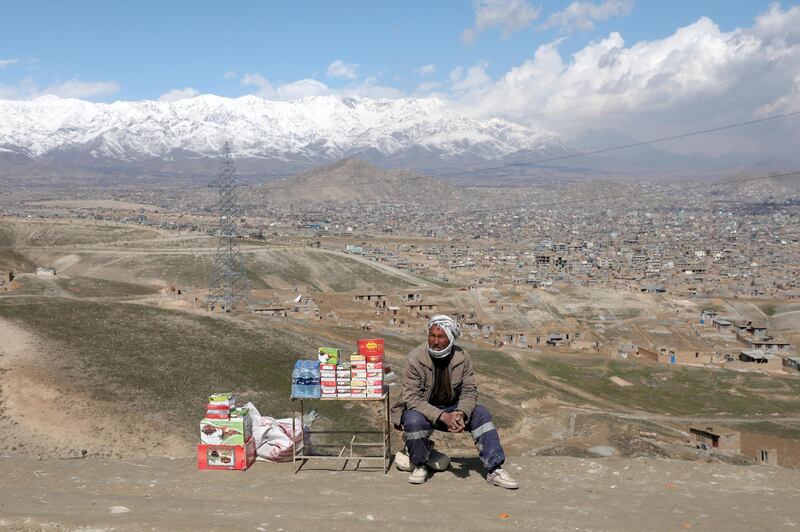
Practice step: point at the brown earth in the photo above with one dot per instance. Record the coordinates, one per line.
(556, 493)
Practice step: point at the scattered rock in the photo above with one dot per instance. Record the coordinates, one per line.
(602, 450)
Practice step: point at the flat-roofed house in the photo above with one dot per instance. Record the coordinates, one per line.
(792, 363)
(722, 324)
(716, 437)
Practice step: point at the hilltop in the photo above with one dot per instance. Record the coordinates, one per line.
(357, 181)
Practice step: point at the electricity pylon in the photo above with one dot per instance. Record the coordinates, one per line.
(228, 286)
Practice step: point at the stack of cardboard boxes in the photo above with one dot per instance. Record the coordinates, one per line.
(371, 350)
(358, 376)
(328, 359)
(343, 376)
(226, 435)
(361, 378)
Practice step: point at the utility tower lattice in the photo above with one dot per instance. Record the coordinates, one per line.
(228, 285)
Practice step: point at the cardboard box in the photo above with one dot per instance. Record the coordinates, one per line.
(327, 374)
(233, 431)
(328, 355)
(358, 395)
(370, 346)
(327, 383)
(218, 410)
(327, 367)
(354, 358)
(226, 456)
(227, 399)
(374, 365)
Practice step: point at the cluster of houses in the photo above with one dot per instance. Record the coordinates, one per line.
(742, 345)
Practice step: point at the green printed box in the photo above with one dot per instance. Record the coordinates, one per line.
(234, 431)
(329, 355)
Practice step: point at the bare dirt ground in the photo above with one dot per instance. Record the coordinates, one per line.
(557, 493)
(43, 415)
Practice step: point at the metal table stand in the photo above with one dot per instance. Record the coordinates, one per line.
(346, 450)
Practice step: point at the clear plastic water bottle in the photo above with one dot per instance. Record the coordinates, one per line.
(297, 377)
(306, 379)
(316, 388)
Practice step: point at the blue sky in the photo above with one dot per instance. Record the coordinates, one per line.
(144, 49)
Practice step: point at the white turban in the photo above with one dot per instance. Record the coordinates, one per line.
(451, 328)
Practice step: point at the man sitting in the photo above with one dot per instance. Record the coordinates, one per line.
(439, 392)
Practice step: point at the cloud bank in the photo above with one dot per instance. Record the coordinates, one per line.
(510, 16)
(699, 76)
(582, 15)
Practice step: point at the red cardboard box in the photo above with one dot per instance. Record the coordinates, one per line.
(226, 456)
(370, 346)
(218, 411)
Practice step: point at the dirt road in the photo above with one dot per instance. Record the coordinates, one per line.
(557, 494)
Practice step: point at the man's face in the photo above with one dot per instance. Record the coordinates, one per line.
(437, 338)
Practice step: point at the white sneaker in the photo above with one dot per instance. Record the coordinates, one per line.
(402, 462)
(418, 476)
(500, 477)
(437, 461)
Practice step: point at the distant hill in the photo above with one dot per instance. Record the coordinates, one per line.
(356, 181)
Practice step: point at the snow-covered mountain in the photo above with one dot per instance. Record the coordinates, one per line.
(415, 132)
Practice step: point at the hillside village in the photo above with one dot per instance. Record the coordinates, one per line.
(601, 302)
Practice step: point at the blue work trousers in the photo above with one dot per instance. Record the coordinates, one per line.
(417, 431)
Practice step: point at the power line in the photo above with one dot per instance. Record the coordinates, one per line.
(626, 146)
(567, 156)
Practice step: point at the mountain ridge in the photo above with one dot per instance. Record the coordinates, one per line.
(309, 131)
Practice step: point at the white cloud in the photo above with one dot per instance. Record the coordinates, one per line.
(178, 94)
(475, 78)
(582, 15)
(28, 88)
(76, 88)
(425, 70)
(698, 77)
(6, 62)
(510, 16)
(294, 90)
(342, 70)
(303, 88)
(429, 87)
